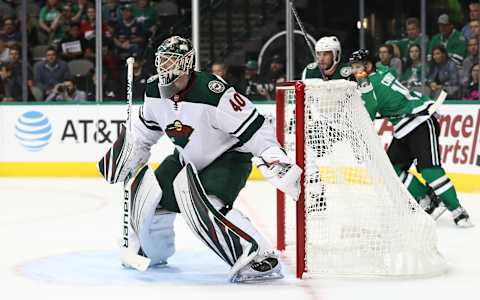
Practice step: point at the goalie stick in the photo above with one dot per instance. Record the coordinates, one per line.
(130, 257)
(429, 112)
(300, 24)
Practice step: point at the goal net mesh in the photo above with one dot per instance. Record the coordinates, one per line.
(359, 218)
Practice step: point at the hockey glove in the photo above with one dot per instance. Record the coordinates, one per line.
(123, 159)
(280, 171)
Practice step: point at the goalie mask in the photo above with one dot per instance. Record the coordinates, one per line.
(174, 57)
(332, 44)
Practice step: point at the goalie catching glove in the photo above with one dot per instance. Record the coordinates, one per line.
(280, 171)
(124, 158)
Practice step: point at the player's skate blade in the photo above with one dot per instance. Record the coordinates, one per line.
(461, 218)
(267, 269)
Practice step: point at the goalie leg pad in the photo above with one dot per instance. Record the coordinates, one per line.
(151, 229)
(231, 236)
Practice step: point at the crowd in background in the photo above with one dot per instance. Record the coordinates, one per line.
(62, 46)
(452, 57)
(452, 61)
(61, 64)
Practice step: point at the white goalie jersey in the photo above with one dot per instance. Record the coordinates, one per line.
(204, 121)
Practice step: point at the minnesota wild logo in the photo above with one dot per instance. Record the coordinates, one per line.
(179, 133)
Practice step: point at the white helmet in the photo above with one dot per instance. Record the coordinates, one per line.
(330, 43)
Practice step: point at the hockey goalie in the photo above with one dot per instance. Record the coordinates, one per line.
(216, 132)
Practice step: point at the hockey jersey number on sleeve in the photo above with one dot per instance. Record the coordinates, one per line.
(238, 116)
(237, 103)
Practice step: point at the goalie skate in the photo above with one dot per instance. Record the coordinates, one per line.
(267, 269)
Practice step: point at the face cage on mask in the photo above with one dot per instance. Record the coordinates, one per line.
(176, 65)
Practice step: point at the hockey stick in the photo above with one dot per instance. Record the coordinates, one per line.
(429, 112)
(130, 257)
(312, 51)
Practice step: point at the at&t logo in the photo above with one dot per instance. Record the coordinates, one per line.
(33, 130)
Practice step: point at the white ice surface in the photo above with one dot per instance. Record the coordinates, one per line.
(58, 240)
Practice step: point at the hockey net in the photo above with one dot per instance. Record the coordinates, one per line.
(354, 217)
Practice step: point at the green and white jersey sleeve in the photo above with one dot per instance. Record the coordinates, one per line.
(204, 121)
(382, 93)
(238, 116)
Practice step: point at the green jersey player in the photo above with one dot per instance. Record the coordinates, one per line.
(415, 137)
(329, 54)
(216, 131)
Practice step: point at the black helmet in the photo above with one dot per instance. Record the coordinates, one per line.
(361, 55)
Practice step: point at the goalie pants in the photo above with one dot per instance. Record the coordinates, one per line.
(225, 177)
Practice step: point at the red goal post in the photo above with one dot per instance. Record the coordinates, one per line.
(324, 126)
(281, 89)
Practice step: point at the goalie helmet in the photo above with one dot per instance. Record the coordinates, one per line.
(330, 43)
(174, 57)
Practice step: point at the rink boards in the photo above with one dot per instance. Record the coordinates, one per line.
(67, 140)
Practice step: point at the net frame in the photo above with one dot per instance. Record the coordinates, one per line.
(298, 87)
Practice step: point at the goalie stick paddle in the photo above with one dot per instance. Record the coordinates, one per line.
(312, 51)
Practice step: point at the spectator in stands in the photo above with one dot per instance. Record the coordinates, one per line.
(474, 14)
(412, 75)
(387, 61)
(111, 88)
(111, 12)
(443, 74)
(469, 61)
(140, 76)
(16, 66)
(10, 33)
(51, 71)
(251, 86)
(74, 46)
(413, 36)
(7, 9)
(64, 21)
(80, 10)
(130, 37)
(167, 13)
(4, 52)
(276, 74)
(145, 15)
(219, 69)
(112, 63)
(9, 89)
(67, 91)
(48, 14)
(475, 29)
(471, 91)
(87, 26)
(452, 39)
